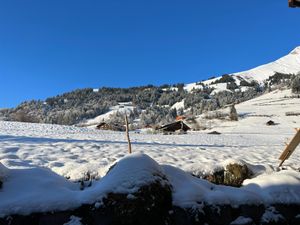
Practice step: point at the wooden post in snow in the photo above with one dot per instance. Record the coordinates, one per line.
(127, 134)
(290, 147)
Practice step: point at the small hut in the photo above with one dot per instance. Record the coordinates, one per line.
(294, 3)
(270, 123)
(176, 126)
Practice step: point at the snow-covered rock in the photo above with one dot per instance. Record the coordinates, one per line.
(3, 174)
(277, 187)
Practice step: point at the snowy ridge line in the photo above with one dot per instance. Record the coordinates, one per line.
(288, 64)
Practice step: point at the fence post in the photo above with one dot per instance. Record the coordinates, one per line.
(127, 134)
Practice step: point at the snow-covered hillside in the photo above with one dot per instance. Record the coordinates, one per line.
(73, 152)
(155, 105)
(288, 64)
(254, 114)
(122, 108)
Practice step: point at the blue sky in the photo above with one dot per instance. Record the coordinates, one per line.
(52, 46)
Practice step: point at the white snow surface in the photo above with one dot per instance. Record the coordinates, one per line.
(241, 220)
(74, 221)
(41, 190)
(178, 105)
(123, 108)
(33, 154)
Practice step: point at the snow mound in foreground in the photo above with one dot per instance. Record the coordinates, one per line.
(31, 190)
(41, 190)
(36, 190)
(126, 176)
(280, 187)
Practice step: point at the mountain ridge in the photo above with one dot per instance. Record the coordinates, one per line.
(288, 64)
(156, 104)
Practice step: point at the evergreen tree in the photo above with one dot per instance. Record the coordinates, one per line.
(233, 113)
(296, 84)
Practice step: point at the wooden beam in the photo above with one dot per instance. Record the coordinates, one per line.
(290, 148)
(127, 134)
(294, 3)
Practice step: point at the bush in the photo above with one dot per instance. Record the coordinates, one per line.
(233, 114)
(279, 78)
(232, 86)
(226, 78)
(296, 85)
(247, 84)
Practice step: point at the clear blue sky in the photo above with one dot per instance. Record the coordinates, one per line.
(48, 47)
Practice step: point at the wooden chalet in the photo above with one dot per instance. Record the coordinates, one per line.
(176, 126)
(294, 3)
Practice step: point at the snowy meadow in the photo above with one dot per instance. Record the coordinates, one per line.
(48, 160)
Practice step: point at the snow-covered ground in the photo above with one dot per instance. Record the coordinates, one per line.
(73, 151)
(255, 113)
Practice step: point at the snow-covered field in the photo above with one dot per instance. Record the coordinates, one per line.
(73, 151)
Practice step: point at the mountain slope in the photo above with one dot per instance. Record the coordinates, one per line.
(288, 64)
(280, 106)
(157, 105)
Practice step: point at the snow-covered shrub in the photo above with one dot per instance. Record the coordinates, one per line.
(235, 174)
(231, 173)
(279, 78)
(296, 84)
(226, 78)
(231, 85)
(3, 174)
(233, 113)
(215, 115)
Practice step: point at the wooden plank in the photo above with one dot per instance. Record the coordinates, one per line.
(127, 134)
(294, 3)
(290, 148)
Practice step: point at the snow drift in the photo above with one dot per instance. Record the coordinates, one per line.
(40, 190)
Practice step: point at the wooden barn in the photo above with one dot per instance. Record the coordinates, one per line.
(176, 126)
(294, 3)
